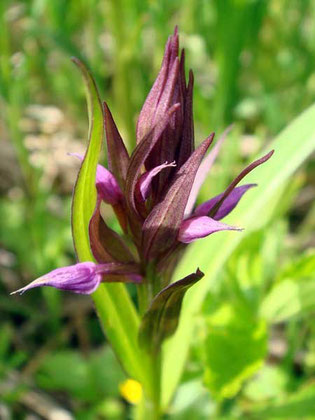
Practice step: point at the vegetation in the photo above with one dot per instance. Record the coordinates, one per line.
(245, 347)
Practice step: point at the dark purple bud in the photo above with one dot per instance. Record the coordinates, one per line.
(200, 227)
(106, 184)
(228, 204)
(159, 98)
(82, 278)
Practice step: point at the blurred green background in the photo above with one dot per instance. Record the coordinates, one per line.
(253, 62)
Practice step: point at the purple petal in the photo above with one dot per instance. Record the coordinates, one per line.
(228, 204)
(107, 186)
(83, 278)
(203, 171)
(145, 181)
(105, 183)
(118, 158)
(199, 227)
(78, 278)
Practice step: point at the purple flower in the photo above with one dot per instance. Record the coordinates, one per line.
(153, 192)
(82, 278)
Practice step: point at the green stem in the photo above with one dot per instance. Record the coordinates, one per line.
(143, 298)
(120, 321)
(150, 407)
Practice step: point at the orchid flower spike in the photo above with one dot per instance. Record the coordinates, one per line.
(153, 192)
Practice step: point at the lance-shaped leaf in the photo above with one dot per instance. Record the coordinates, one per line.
(83, 278)
(162, 317)
(113, 303)
(84, 196)
(118, 158)
(138, 158)
(200, 227)
(161, 227)
(106, 244)
(228, 204)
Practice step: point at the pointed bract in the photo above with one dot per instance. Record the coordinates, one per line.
(187, 143)
(162, 317)
(117, 154)
(161, 227)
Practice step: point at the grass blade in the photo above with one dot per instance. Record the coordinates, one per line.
(292, 147)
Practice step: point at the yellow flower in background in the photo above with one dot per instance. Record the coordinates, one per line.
(131, 391)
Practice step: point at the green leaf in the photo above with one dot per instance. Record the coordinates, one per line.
(113, 304)
(297, 405)
(294, 293)
(161, 319)
(292, 147)
(301, 267)
(89, 379)
(287, 299)
(270, 382)
(234, 349)
(66, 371)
